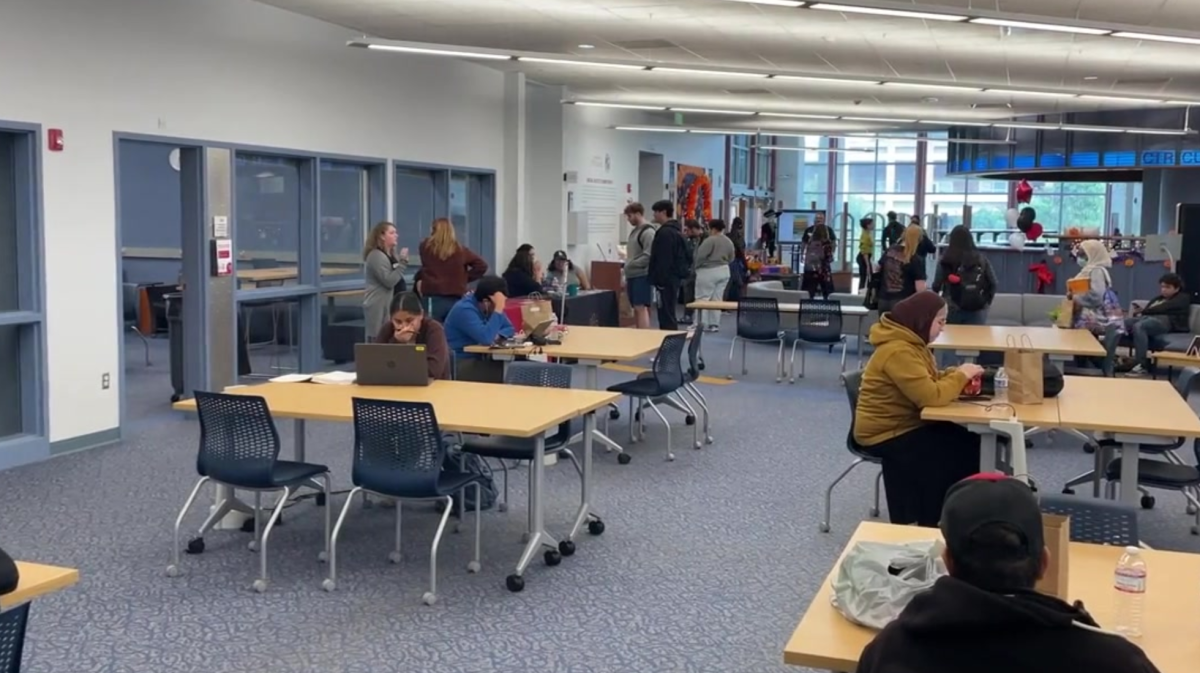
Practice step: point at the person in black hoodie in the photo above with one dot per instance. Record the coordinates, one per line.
(670, 262)
(986, 617)
(9, 577)
(1169, 312)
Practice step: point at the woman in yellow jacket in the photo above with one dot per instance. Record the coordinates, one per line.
(921, 459)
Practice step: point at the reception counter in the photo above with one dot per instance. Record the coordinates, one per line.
(1133, 277)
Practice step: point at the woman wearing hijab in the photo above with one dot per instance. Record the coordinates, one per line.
(921, 459)
(1096, 263)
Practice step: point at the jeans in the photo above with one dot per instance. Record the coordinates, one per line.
(864, 271)
(710, 286)
(1145, 331)
(668, 300)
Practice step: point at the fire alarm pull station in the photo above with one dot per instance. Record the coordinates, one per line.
(222, 257)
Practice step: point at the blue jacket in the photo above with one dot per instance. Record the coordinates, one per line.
(467, 326)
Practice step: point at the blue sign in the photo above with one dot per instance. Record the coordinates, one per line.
(1158, 158)
(1189, 158)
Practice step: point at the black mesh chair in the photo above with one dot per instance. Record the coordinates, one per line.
(1095, 521)
(239, 448)
(666, 378)
(758, 321)
(820, 322)
(521, 449)
(852, 381)
(400, 453)
(132, 314)
(12, 637)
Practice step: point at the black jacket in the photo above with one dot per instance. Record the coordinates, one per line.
(520, 283)
(670, 255)
(893, 232)
(956, 627)
(8, 574)
(1177, 309)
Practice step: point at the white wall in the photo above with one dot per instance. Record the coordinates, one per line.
(221, 70)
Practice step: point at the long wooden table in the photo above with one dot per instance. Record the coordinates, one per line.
(475, 408)
(1060, 344)
(37, 580)
(826, 640)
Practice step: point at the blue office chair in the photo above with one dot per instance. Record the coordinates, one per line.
(853, 382)
(399, 453)
(1095, 521)
(12, 637)
(666, 378)
(239, 448)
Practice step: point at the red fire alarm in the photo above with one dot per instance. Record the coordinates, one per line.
(54, 140)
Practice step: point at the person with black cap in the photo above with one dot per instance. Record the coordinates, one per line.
(564, 273)
(921, 459)
(986, 617)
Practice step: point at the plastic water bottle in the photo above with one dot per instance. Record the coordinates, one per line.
(1130, 584)
(1001, 380)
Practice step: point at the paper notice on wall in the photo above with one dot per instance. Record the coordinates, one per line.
(598, 198)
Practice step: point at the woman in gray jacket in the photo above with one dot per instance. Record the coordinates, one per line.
(384, 270)
(711, 261)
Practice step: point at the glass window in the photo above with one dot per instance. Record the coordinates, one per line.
(897, 179)
(9, 243)
(458, 209)
(343, 225)
(739, 161)
(271, 332)
(11, 411)
(860, 178)
(268, 214)
(763, 168)
(19, 365)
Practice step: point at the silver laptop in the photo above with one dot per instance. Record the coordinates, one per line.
(391, 365)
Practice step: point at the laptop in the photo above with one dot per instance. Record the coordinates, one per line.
(391, 365)
(538, 336)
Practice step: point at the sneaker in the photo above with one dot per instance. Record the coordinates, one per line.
(712, 328)
(1137, 372)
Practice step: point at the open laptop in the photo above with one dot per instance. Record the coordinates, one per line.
(539, 334)
(391, 365)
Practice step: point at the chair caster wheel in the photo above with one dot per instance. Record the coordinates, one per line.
(1148, 502)
(670, 457)
(614, 414)
(698, 445)
(395, 557)
(1089, 448)
(176, 398)
(745, 371)
(874, 512)
(566, 548)
(708, 439)
(596, 527)
(824, 528)
(429, 598)
(778, 379)
(473, 567)
(1195, 530)
(792, 380)
(552, 557)
(729, 377)
(624, 458)
(172, 571)
(515, 583)
(252, 545)
(320, 500)
(260, 585)
(700, 366)
(1191, 509)
(502, 507)
(689, 420)
(1068, 491)
(328, 585)
(195, 545)
(323, 557)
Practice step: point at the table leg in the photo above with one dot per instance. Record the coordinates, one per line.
(586, 515)
(861, 324)
(299, 432)
(988, 457)
(538, 537)
(1129, 473)
(967, 356)
(592, 382)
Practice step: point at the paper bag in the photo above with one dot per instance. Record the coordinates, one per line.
(1025, 370)
(1066, 314)
(1056, 530)
(535, 311)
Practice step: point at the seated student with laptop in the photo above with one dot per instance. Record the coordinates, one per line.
(986, 617)
(478, 320)
(410, 325)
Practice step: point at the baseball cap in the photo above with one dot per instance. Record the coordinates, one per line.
(560, 255)
(991, 498)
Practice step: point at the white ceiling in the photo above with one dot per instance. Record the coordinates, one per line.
(720, 33)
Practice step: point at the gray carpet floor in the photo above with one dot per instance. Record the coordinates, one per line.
(707, 564)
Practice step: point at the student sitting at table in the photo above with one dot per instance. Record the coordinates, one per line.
(1169, 312)
(921, 459)
(9, 577)
(986, 617)
(524, 273)
(410, 325)
(478, 320)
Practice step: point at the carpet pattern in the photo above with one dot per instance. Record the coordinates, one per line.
(706, 566)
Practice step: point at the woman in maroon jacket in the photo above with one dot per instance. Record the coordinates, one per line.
(446, 268)
(410, 325)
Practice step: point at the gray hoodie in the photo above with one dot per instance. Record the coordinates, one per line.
(714, 251)
(637, 251)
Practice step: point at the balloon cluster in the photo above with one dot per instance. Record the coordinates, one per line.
(1025, 221)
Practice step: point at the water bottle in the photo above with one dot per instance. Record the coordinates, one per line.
(1001, 380)
(1130, 584)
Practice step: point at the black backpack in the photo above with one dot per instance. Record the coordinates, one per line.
(681, 265)
(970, 292)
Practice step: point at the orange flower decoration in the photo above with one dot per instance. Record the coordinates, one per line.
(1129, 261)
(1058, 259)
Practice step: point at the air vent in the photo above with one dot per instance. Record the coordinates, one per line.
(749, 92)
(642, 45)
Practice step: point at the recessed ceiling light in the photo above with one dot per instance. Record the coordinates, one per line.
(586, 64)
(587, 46)
(942, 87)
(711, 112)
(776, 3)
(826, 80)
(903, 13)
(879, 119)
(653, 129)
(626, 106)
(1052, 27)
(439, 52)
(1120, 99)
(1089, 78)
(688, 71)
(796, 115)
(948, 122)
(1156, 38)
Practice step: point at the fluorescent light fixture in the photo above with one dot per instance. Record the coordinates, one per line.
(1040, 126)
(711, 112)
(439, 52)
(624, 106)
(826, 80)
(1093, 129)
(1151, 37)
(587, 46)
(1022, 92)
(1161, 132)
(879, 119)
(795, 115)
(948, 122)
(588, 64)
(652, 129)
(1052, 27)
(689, 71)
(941, 87)
(903, 13)
(776, 3)
(1182, 102)
(1120, 99)
(835, 150)
(711, 132)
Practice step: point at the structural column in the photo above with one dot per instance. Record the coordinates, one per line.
(787, 173)
(512, 220)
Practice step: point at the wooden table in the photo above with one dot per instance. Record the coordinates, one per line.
(1134, 411)
(460, 406)
(987, 418)
(281, 273)
(1060, 344)
(36, 581)
(826, 640)
(1174, 359)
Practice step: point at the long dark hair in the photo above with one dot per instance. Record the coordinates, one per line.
(960, 248)
(522, 261)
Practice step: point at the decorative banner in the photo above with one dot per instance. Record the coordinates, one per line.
(693, 193)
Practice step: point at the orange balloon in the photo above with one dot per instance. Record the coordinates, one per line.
(1129, 261)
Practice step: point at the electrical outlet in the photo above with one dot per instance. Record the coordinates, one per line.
(105, 381)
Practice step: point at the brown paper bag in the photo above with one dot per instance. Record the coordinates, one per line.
(535, 311)
(1057, 532)
(1024, 368)
(1066, 314)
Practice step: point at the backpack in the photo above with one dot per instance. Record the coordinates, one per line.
(814, 255)
(681, 265)
(891, 273)
(457, 461)
(637, 234)
(970, 292)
